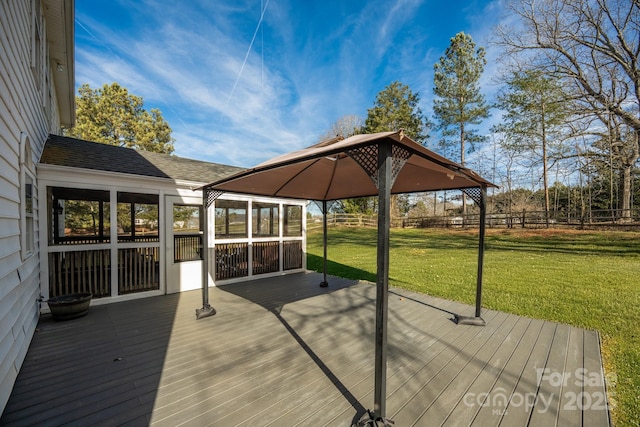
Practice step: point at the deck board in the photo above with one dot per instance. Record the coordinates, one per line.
(283, 351)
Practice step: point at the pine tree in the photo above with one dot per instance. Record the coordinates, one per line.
(535, 111)
(111, 115)
(396, 107)
(459, 104)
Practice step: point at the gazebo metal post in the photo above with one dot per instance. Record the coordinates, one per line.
(385, 160)
(479, 196)
(324, 282)
(483, 216)
(207, 199)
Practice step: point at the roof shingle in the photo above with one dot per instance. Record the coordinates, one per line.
(77, 153)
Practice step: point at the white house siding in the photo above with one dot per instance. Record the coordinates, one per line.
(28, 112)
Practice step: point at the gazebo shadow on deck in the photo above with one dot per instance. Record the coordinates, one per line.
(297, 288)
(274, 294)
(436, 366)
(370, 277)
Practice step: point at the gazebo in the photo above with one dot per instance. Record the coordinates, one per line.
(365, 165)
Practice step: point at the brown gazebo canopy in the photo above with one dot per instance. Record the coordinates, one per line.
(341, 169)
(363, 165)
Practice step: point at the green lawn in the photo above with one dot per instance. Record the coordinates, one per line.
(586, 279)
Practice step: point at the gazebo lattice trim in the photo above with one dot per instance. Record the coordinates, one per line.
(367, 158)
(211, 196)
(474, 194)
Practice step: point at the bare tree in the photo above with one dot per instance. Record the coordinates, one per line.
(344, 127)
(592, 46)
(617, 147)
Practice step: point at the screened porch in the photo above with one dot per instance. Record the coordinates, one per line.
(113, 243)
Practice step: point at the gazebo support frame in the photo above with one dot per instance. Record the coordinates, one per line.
(479, 196)
(208, 197)
(324, 209)
(381, 156)
(383, 163)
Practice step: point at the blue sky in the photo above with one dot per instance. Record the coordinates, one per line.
(239, 86)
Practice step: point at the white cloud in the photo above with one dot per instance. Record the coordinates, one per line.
(186, 60)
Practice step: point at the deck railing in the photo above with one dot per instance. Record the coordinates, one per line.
(90, 271)
(232, 260)
(292, 255)
(80, 271)
(138, 270)
(187, 247)
(266, 257)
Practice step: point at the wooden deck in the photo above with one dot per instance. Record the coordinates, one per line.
(284, 352)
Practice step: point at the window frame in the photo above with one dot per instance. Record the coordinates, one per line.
(272, 211)
(28, 199)
(287, 223)
(134, 200)
(227, 206)
(58, 196)
(37, 46)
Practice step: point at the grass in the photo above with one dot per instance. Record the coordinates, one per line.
(586, 279)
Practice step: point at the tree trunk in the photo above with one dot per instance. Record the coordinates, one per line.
(545, 177)
(625, 214)
(464, 196)
(627, 179)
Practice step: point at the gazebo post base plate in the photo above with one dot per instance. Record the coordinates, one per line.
(369, 420)
(205, 311)
(470, 320)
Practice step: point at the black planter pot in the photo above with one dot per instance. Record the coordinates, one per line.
(69, 306)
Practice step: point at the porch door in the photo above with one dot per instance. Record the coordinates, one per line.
(184, 243)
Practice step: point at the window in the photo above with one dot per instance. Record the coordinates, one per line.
(264, 220)
(27, 198)
(138, 217)
(78, 216)
(37, 54)
(292, 220)
(28, 215)
(231, 219)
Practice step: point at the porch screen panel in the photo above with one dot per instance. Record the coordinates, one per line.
(266, 257)
(187, 233)
(292, 220)
(292, 255)
(138, 217)
(80, 271)
(232, 260)
(138, 270)
(264, 219)
(77, 216)
(231, 219)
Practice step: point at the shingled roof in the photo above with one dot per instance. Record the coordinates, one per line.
(77, 153)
